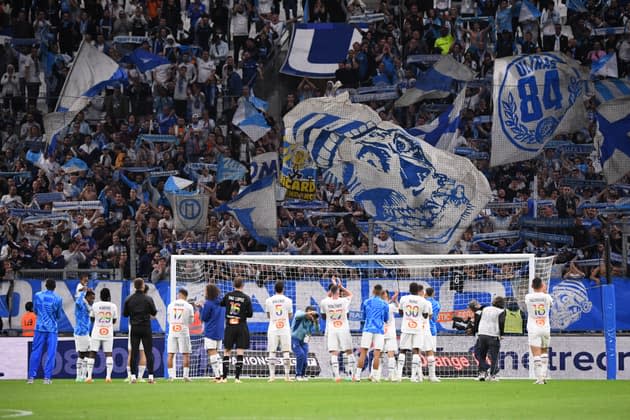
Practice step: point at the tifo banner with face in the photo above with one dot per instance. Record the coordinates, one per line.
(536, 97)
(577, 304)
(428, 195)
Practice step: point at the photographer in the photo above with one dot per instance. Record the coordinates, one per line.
(489, 327)
(303, 326)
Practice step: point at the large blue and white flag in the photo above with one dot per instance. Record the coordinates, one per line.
(91, 72)
(250, 121)
(536, 97)
(443, 132)
(264, 165)
(613, 139)
(229, 169)
(606, 66)
(426, 196)
(255, 209)
(437, 82)
(145, 60)
(54, 124)
(317, 49)
(528, 12)
(609, 89)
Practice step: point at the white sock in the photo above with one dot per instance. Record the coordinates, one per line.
(415, 367)
(79, 367)
(215, 363)
(538, 367)
(141, 369)
(376, 373)
(431, 363)
(401, 363)
(544, 362)
(90, 367)
(352, 365)
(334, 361)
(391, 367)
(150, 377)
(286, 358)
(171, 373)
(186, 372)
(128, 372)
(272, 364)
(84, 370)
(109, 365)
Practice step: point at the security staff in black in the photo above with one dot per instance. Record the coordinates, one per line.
(490, 327)
(238, 307)
(140, 308)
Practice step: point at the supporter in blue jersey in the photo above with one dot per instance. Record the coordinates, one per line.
(85, 299)
(213, 316)
(48, 308)
(375, 313)
(305, 323)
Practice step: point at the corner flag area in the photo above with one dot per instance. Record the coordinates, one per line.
(257, 399)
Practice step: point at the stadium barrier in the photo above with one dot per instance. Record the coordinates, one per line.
(577, 308)
(570, 357)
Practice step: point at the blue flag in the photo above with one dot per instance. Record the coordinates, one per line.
(74, 165)
(577, 5)
(255, 210)
(444, 130)
(609, 89)
(229, 169)
(250, 121)
(145, 60)
(606, 66)
(613, 139)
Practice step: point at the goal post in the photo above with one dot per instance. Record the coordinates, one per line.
(456, 279)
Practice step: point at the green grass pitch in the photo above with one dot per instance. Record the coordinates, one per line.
(318, 399)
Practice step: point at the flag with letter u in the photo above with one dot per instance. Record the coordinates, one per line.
(536, 97)
(427, 196)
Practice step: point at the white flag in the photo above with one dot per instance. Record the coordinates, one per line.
(535, 98)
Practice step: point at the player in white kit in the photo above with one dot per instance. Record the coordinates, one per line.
(180, 315)
(390, 347)
(538, 304)
(334, 310)
(103, 315)
(279, 310)
(415, 310)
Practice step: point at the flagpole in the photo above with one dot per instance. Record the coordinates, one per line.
(63, 88)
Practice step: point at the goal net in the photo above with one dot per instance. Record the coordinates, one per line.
(456, 280)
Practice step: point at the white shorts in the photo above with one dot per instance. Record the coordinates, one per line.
(427, 342)
(82, 343)
(539, 338)
(179, 344)
(372, 340)
(283, 340)
(338, 340)
(210, 344)
(410, 341)
(390, 344)
(107, 344)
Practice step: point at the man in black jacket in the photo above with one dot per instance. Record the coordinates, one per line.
(140, 308)
(556, 42)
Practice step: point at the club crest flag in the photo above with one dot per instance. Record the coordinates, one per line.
(426, 197)
(190, 212)
(298, 172)
(536, 97)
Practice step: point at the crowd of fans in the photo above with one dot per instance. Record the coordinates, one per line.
(218, 53)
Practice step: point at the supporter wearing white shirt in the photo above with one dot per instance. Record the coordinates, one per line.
(205, 67)
(384, 243)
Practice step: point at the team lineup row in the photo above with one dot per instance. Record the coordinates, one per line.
(225, 328)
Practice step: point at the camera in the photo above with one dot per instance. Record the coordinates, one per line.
(461, 324)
